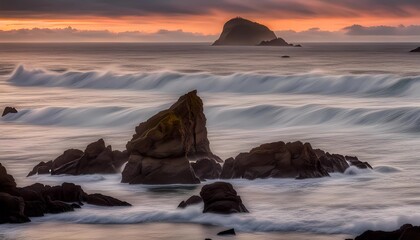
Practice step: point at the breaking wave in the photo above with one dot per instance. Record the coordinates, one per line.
(311, 83)
(259, 116)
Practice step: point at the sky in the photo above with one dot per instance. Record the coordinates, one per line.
(202, 20)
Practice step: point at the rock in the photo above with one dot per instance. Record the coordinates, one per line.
(239, 31)
(191, 201)
(206, 169)
(416, 50)
(7, 182)
(382, 235)
(12, 209)
(287, 160)
(163, 146)
(102, 200)
(41, 168)
(96, 159)
(221, 198)
(276, 160)
(17, 204)
(332, 162)
(275, 42)
(354, 161)
(8, 110)
(227, 232)
(297, 45)
(410, 233)
(285, 56)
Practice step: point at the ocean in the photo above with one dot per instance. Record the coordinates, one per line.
(350, 98)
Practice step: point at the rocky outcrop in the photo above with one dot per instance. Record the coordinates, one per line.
(406, 232)
(287, 160)
(193, 200)
(275, 42)
(206, 169)
(8, 110)
(416, 50)
(221, 198)
(163, 146)
(96, 159)
(18, 204)
(239, 31)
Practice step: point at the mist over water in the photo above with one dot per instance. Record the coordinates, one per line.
(353, 99)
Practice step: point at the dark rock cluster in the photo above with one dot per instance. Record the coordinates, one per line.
(18, 204)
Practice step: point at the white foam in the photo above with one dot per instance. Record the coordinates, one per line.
(251, 82)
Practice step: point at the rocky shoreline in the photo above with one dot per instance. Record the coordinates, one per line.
(171, 147)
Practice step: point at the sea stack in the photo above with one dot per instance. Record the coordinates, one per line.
(240, 31)
(163, 146)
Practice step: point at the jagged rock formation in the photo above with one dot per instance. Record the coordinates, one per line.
(163, 146)
(287, 160)
(239, 31)
(17, 204)
(8, 110)
(206, 169)
(96, 159)
(275, 42)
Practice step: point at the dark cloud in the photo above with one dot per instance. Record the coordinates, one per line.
(73, 35)
(276, 8)
(401, 30)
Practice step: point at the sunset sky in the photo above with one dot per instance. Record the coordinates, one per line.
(200, 20)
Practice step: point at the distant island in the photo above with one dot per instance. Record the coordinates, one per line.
(243, 32)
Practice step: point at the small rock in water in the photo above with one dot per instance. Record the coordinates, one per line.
(227, 232)
(8, 110)
(285, 56)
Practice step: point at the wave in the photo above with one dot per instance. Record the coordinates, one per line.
(405, 119)
(381, 85)
(241, 222)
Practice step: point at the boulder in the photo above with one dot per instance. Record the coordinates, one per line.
(8, 110)
(416, 50)
(193, 200)
(276, 160)
(206, 169)
(163, 146)
(221, 198)
(275, 42)
(382, 235)
(12, 209)
(240, 31)
(102, 200)
(96, 159)
(410, 233)
(287, 160)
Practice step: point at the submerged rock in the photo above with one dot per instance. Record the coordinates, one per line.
(240, 31)
(287, 160)
(227, 232)
(416, 50)
(163, 146)
(8, 110)
(96, 159)
(193, 200)
(220, 197)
